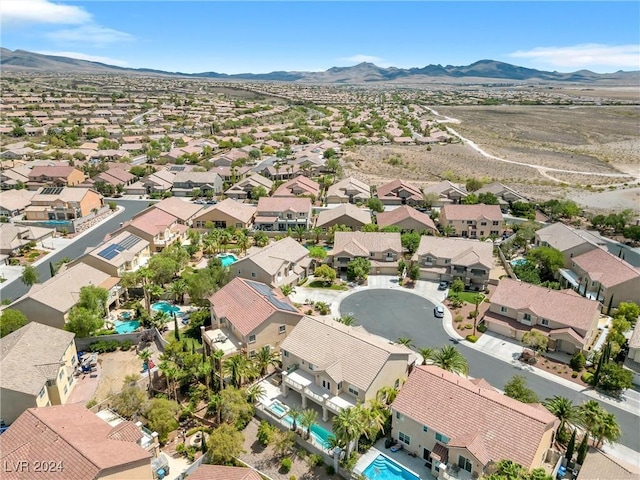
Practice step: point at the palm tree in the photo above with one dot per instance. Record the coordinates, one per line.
(287, 290)
(145, 356)
(564, 410)
(307, 419)
(373, 418)
(255, 393)
(300, 232)
(205, 369)
(607, 429)
(171, 371)
(427, 354)
(404, 341)
(348, 320)
(243, 242)
(264, 358)
(216, 357)
(236, 368)
(178, 288)
(348, 426)
(317, 231)
(387, 395)
(296, 414)
(450, 359)
(590, 416)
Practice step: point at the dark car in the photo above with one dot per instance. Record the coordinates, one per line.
(438, 312)
(443, 285)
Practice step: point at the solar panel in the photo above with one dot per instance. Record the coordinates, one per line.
(129, 242)
(52, 190)
(110, 252)
(177, 169)
(266, 291)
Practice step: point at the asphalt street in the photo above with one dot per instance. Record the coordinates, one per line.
(94, 237)
(393, 314)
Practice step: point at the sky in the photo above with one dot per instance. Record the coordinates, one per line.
(260, 37)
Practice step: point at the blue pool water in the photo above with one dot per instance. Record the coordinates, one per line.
(126, 327)
(126, 315)
(278, 409)
(518, 261)
(227, 259)
(166, 308)
(319, 433)
(383, 468)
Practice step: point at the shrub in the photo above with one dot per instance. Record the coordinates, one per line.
(292, 477)
(329, 470)
(126, 345)
(285, 465)
(458, 318)
(574, 375)
(587, 378)
(181, 448)
(578, 361)
(315, 460)
(309, 312)
(91, 403)
(265, 433)
(196, 430)
(468, 326)
(471, 338)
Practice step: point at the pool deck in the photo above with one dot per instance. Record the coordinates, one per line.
(401, 457)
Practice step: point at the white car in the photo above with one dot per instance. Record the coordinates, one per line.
(438, 312)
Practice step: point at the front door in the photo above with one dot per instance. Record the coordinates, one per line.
(426, 455)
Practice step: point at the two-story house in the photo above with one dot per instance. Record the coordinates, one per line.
(243, 190)
(121, 254)
(399, 192)
(298, 186)
(184, 211)
(472, 221)
(228, 213)
(445, 193)
(49, 302)
(506, 195)
(461, 425)
(54, 176)
(37, 365)
(278, 214)
(571, 242)
(284, 262)
(445, 259)
(348, 190)
(185, 183)
(62, 203)
(569, 320)
(249, 315)
(159, 228)
(407, 219)
(14, 202)
(344, 214)
(337, 366)
(160, 181)
(383, 249)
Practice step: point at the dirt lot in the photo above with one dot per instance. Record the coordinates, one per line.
(115, 366)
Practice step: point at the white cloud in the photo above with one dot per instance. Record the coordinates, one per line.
(591, 56)
(95, 35)
(23, 12)
(362, 58)
(84, 56)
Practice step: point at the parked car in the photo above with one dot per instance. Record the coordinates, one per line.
(443, 285)
(438, 312)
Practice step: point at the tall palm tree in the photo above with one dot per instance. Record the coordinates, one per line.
(590, 416)
(300, 232)
(404, 341)
(450, 359)
(373, 418)
(178, 288)
(216, 357)
(171, 371)
(348, 426)
(427, 354)
(307, 419)
(264, 358)
(236, 368)
(607, 429)
(317, 231)
(145, 356)
(296, 414)
(205, 369)
(255, 393)
(243, 242)
(387, 395)
(564, 410)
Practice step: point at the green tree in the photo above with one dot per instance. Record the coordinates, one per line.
(287, 289)
(258, 192)
(30, 275)
(295, 413)
(629, 311)
(571, 446)
(406, 341)
(161, 415)
(348, 426)
(547, 259)
(130, 401)
(260, 239)
(326, 273)
(145, 356)
(427, 354)
(457, 285)
(94, 299)
(224, 445)
(359, 269)
(607, 429)
(410, 242)
(370, 227)
(517, 388)
(236, 367)
(307, 419)
(177, 289)
(318, 254)
(583, 448)
(429, 199)
(11, 320)
(265, 358)
(450, 359)
(300, 232)
(473, 184)
(614, 378)
(163, 268)
(375, 205)
(535, 340)
(235, 407)
(471, 199)
(329, 153)
(488, 198)
(564, 410)
(83, 322)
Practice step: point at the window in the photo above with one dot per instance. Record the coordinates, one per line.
(396, 383)
(312, 366)
(239, 271)
(404, 438)
(252, 339)
(389, 254)
(527, 317)
(289, 216)
(465, 463)
(469, 222)
(253, 274)
(354, 391)
(326, 385)
(495, 222)
(442, 438)
(73, 360)
(545, 322)
(340, 386)
(504, 309)
(425, 428)
(285, 353)
(483, 223)
(66, 389)
(428, 259)
(41, 394)
(371, 254)
(252, 353)
(399, 416)
(282, 328)
(447, 261)
(61, 375)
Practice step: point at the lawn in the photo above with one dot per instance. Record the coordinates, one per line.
(469, 297)
(322, 284)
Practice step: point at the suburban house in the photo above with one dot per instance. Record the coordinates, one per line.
(570, 241)
(115, 177)
(348, 190)
(249, 315)
(569, 320)
(344, 214)
(472, 221)
(56, 176)
(62, 203)
(284, 262)
(14, 202)
(445, 193)
(457, 424)
(399, 192)
(228, 213)
(601, 276)
(243, 190)
(13, 177)
(278, 214)
(445, 259)
(157, 227)
(319, 363)
(76, 443)
(297, 187)
(14, 237)
(37, 364)
(160, 181)
(49, 302)
(408, 219)
(383, 249)
(223, 472)
(185, 212)
(506, 195)
(121, 254)
(599, 465)
(207, 183)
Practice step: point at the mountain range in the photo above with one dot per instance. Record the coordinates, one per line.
(478, 72)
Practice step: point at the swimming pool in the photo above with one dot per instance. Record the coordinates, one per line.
(278, 409)
(319, 433)
(166, 308)
(518, 261)
(383, 468)
(126, 327)
(227, 259)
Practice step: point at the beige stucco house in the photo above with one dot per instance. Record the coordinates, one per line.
(382, 249)
(344, 214)
(63, 203)
(121, 254)
(278, 214)
(407, 219)
(228, 213)
(472, 221)
(244, 188)
(570, 241)
(399, 192)
(157, 227)
(348, 190)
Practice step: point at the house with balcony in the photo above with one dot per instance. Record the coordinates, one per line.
(184, 211)
(279, 214)
(14, 202)
(319, 363)
(568, 319)
(298, 187)
(344, 214)
(247, 315)
(571, 242)
(157, 227)
(472, 221)
(399, 192)
(284, 262)
(121, 254)
(348, 190)
(225, 214)
(243, 190)
(62, 203)
(54, 176)
(207, 183)
(445, 259)
(407, 219)
(75, 443)
(49, 302)
(382, 249)
(601, 276)
(445, 193)
(37, 365)
(459, 426)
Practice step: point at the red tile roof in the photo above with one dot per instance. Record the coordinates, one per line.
(153, 221)
(472, 212)
(85, 445)
(56, 171)
(395, 216)
(490, 425)
(283, 204)
(605, 268)
(390, 190)
(222, 472)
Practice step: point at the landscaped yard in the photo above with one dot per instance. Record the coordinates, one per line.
(330, 286)
(469, 297)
